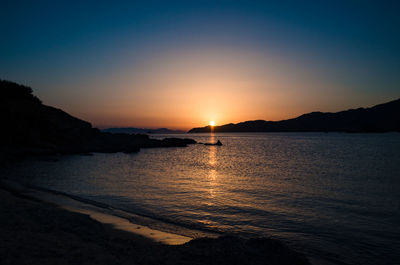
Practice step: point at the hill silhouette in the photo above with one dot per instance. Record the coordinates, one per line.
(380, 118)
(30, 127)
(130, 130)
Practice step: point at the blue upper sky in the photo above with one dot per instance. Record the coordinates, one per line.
(78, 54)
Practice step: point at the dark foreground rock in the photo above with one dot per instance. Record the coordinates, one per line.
(31, 128)
(127, 143)
(34, 232)
(233, 250)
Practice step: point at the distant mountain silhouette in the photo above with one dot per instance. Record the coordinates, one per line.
(131, 130)
(380, 118)
(29, 127)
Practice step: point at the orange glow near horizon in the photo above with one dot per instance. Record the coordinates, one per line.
(183, 89)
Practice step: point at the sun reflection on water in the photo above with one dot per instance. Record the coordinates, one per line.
(212, 176)
(212, 161)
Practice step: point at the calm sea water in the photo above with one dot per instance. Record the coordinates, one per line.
(334, 196)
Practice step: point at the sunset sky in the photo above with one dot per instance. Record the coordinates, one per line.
(181, 64)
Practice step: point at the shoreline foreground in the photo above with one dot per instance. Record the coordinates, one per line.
(39, 230)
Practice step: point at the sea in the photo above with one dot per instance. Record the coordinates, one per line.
(333, 196)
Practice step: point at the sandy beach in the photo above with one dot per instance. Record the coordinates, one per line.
(35, 229)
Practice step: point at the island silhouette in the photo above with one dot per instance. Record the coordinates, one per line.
(131, 130)
(377, 119)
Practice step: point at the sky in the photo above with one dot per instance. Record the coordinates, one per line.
(181, 64)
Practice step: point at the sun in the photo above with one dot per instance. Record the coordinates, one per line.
(212, 123)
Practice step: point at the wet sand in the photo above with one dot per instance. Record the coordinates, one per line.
(111, 217)
(124, 225)
(36, 230)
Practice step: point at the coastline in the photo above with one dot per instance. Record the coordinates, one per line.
(37, 228)
(114, 218)
(36, 232)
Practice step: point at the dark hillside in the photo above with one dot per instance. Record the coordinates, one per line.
(29, 127)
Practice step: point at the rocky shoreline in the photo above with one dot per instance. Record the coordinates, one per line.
(32, 128)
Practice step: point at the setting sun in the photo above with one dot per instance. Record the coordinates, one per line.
(212, 123)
